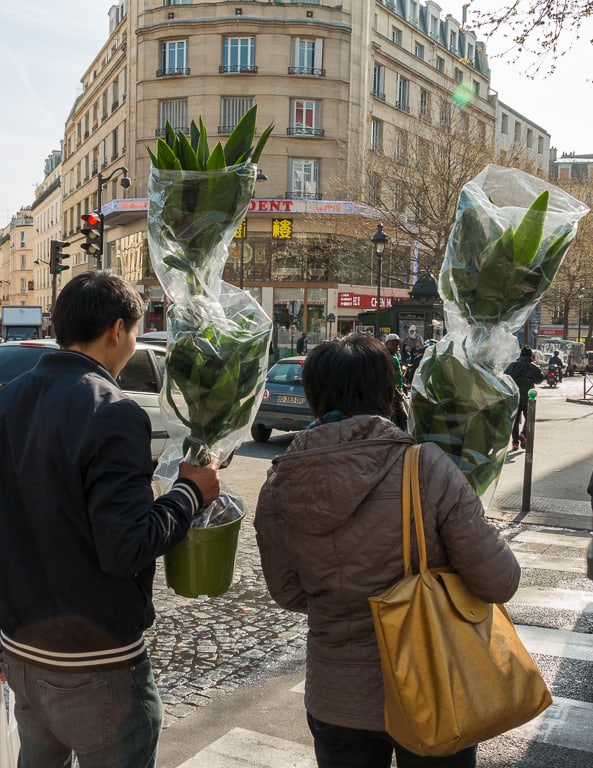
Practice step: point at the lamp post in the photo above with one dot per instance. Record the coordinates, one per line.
(261, 176)
(379, 240)
(581, 296)
(126, 182)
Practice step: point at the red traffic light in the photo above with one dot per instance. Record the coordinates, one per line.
(91, 219)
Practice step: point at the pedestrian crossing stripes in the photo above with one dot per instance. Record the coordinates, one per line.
(565, 725)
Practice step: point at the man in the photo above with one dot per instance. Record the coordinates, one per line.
(301, 345)
(526, 374)
(557, 360)
(400, 416)
(81, 531)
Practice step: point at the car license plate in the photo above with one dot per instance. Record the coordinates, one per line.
(292, 399)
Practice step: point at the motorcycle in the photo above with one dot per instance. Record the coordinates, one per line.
(553, 375)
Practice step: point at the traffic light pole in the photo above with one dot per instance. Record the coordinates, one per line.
(101, 182)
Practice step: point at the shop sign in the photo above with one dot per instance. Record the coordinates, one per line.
(348, 300)
(282, 229)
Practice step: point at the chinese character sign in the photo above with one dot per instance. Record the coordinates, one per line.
(241, 231)
(282, 229)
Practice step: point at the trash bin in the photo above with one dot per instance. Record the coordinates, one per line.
(203, 563)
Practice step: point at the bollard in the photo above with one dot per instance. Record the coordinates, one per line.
(529, 435)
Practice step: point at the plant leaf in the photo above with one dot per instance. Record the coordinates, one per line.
(528, 235)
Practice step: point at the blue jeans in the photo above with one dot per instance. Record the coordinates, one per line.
(109, 719)
(338, 747)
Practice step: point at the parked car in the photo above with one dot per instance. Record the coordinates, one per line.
(141, 379)
(284, 405)
(154, 337)
(589, 368)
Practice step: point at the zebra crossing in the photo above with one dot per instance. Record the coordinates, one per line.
(553, 612)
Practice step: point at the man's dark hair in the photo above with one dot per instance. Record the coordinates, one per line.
(353, 375)
(90, 303)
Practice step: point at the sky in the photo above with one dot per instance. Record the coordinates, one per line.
(45, 47)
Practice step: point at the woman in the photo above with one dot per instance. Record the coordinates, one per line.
(328, 524)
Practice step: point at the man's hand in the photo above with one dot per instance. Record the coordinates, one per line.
(205, 476)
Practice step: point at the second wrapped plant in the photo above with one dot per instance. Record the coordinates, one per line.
(218, 335)
(510, 236)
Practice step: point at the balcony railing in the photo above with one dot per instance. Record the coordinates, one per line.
(238, 69)
(163, 131)
(378, 95)
(316, 72)
(302, 130)
(172, 71)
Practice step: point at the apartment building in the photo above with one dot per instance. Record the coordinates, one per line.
(521, 142)
(16, 260)
(340, 82)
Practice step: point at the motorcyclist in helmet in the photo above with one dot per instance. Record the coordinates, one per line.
(557, 360)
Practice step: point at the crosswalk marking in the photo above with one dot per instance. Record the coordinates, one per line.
(556, 599)
(535, 560)
(557, 642)
(566, 723)
(240, 748)
(551, 538)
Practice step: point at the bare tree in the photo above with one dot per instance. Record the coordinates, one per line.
(545, 29)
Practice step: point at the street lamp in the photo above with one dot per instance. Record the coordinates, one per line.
(126, 182)
(261, 176)
(379, 240)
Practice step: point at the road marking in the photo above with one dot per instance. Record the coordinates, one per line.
(535, 560)
(242, 748)
(557, 642)
(557, 599)
(552, 539)
(566, 723)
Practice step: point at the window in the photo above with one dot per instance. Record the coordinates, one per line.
(439, 64)
(103, 153)
(470, 54)
(529, 138)
(177, 2)
(413, 17)
(115, 95)
(445, 115)
(504, 123)
(379, 81)
(425, 104)
(540, 145)
(397, 36)
(304, 118)
(238, 54)
(433, 27)
(419, 51)
(453, 41)
(517, 131)
(104, 103)
(376, 135)
(401, 147)
(476, 87)
(232, 109)
(307, 57)
(23, 240)
(304, 178)
(173, 111)
(403, 94)
(374, 189)
(173, 58)
(458, 75)
(114, 144)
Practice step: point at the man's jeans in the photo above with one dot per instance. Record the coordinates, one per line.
(109, 719)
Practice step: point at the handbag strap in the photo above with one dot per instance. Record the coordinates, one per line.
(411, 500)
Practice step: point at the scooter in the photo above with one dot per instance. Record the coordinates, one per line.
(553, 375)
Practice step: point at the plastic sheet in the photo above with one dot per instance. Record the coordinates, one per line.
(218, 335)
(510, 236)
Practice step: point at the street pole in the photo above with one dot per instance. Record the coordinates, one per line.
(379, 240)
(529, 438)
(101, 182)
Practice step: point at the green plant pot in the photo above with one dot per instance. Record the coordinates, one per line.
(203, 563)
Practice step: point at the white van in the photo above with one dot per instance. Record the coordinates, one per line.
(572, 353)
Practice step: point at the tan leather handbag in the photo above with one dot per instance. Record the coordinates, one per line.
(454, 669)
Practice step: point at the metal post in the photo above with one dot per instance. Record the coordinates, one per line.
(379, 270)
(242, 258)
(529, 438)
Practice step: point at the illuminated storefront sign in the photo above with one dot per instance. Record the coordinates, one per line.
(282, 229)
(348, 300)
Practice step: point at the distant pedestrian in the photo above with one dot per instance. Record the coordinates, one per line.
(526, 374)
(328, 522)
(81, 532)
(400, 415)
(301, 345)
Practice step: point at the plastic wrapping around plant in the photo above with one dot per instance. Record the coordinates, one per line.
(219, 335)
(510, 236)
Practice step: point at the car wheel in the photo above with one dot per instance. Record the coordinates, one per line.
(260, 433)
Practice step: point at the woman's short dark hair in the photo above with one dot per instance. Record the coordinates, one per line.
(353, 375)
(90, 303)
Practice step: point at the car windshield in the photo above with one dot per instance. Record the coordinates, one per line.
(18, 359)
(285, 373)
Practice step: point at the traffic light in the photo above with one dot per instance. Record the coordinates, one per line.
(56, 256)
(92, 229)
